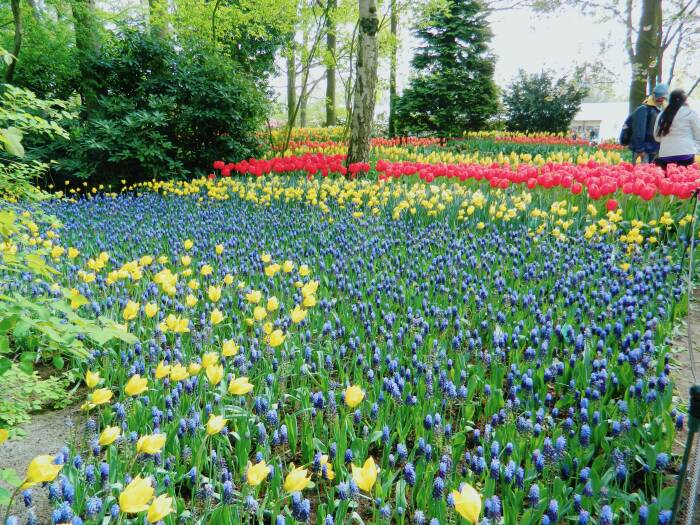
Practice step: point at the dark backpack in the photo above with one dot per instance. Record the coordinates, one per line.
(626, 133)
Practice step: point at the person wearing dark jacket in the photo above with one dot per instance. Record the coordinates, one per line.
(638, 131)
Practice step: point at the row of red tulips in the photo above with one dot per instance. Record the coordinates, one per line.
(598, 180)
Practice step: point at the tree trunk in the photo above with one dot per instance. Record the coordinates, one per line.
(306, 59)
(88, 45)
(644, 58)
(302, 109)
(331, 118)
(291, 87)
(157, 18)
(34, 10)
(658, 69)
(392, 69)
(365, 83)
(17, 19)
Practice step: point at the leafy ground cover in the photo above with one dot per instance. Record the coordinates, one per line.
(406, 349)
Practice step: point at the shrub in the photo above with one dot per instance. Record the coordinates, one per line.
(162, 112)
(542, 103)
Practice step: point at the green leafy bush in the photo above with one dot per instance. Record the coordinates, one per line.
(163, 112)
(24, 118)
(542, 103)
(44, 327)
(22, 394)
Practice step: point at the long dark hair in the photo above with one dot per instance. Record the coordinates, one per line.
(675, 101)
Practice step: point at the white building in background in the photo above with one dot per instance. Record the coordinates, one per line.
(603, 119)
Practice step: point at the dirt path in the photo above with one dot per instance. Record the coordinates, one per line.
(46, 433)
(683, 378)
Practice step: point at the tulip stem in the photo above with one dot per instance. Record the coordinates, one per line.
(9, 504)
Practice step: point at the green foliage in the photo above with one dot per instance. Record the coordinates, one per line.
(542, 103)
(45, 327)
(162, 112)
(47, 63)
(25, 116)
(22, 394)
(453, 89)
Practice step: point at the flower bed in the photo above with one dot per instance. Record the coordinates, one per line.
(397, 348)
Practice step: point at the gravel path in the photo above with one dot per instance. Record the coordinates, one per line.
(683, 379)
(46, 433)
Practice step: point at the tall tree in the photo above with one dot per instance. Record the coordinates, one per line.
(660, 27)
(644, 56)
(291, 86)
(365, 82)
(453, 89)
(393, 62)
(331, 118)
(17, 45)
(158, 19)
(87, 42)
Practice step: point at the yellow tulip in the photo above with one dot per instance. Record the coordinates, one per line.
(136, 385)
(366, 476)
(42, 469)
(298, 315)
(229, 348)
(265, 257)
(179, 373)
(228, 279)
(328, 471)
(101, 396)
(194, 368)
(215, 374)
(161, 507)
(309, 301)
(136, 496)
(151, 309)
(304, 270)
(130, 311)
(193, 284)
(216, 316)
(353, 396)
(254, 297)
(467, 503)
(73, 253)
(186, 260)
(92, 379)
(239, 386)
(219, 249)
(214, 293)
(276, 338)
(215, 424)
(206, 270)
(288, 266)
(296, 480)
(162, 370)
(4, 435)
(109, 435)
(190, 300)
(259, 313)
(188, 244)
(209, 359)
(309, 288)
(272, 269)
(150, 444)
(256, 474)
(272, 304)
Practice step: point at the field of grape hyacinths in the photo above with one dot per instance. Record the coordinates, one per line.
(414, 342)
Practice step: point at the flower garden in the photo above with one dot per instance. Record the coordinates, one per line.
(465, 331)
